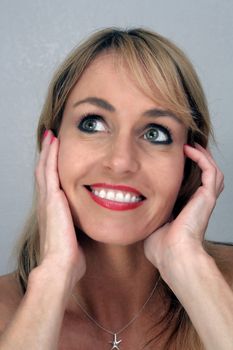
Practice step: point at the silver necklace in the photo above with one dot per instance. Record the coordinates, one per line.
(115, 342)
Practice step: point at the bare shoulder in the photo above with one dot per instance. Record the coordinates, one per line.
(10, 297)
(222, 253)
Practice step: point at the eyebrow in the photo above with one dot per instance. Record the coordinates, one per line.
(96, 101)
(99, 102)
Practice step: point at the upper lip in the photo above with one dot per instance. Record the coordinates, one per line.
(125, 188)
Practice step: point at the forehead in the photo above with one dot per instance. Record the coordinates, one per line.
(109, 76)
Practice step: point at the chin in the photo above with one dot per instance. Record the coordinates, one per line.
(112, 230)
(115, 238)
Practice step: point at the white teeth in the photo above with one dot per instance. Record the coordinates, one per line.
(110, 195)
(95, 192)
(117, 196)
(134, 199)
(102, 194)
(127, 197)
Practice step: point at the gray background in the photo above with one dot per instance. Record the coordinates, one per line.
(36, 35)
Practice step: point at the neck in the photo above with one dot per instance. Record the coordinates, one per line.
(118, 281)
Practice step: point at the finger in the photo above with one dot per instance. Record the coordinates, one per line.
(39, 171)
(209, 172)
(207, 152)
(219, 175)
(41, 180)
(51, 171)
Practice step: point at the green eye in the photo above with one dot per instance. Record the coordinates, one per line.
(91, 124)
(158, 134)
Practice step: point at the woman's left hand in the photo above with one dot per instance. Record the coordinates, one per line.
(186, 232)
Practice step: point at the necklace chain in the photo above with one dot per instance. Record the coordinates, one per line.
(128, 324)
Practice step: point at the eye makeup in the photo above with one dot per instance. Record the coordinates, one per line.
(88, 123)
(154, 133)
(162, 134)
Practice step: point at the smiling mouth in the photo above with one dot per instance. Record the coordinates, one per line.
(113, 195)
(115, 199)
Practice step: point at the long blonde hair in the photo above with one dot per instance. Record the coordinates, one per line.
(165, 74)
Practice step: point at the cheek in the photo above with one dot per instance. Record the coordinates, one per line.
(76, 162)
(71, 162)
(168, 173)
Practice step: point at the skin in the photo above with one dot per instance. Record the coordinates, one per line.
(117, 154)
(114, 268)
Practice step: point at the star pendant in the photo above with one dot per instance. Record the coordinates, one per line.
(115, 343)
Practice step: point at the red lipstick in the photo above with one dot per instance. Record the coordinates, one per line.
(106, 203)
(111, 204)
(116, 188)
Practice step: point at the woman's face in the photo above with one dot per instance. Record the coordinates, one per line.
(112, 134)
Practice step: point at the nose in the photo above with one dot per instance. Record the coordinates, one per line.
(121, 157)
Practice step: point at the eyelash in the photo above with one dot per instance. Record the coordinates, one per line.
(161, 128)
(89, 117)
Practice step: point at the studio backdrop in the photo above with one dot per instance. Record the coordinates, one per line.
(36, 36)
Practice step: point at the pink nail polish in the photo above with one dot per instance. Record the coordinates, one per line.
(52, 139)
(45, 134)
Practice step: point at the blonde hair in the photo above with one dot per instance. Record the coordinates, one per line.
(164, 73)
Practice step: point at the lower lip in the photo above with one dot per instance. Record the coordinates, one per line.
(114, 205)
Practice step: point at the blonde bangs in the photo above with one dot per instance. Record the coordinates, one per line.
(156, 76)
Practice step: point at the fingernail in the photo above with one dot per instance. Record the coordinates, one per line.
(45, 134)
(184, 148)
(197, 145)
(52, 139)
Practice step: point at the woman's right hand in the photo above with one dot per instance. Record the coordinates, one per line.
(38, 319)
(59, 248)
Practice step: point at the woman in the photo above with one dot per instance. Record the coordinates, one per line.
(113, 254)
